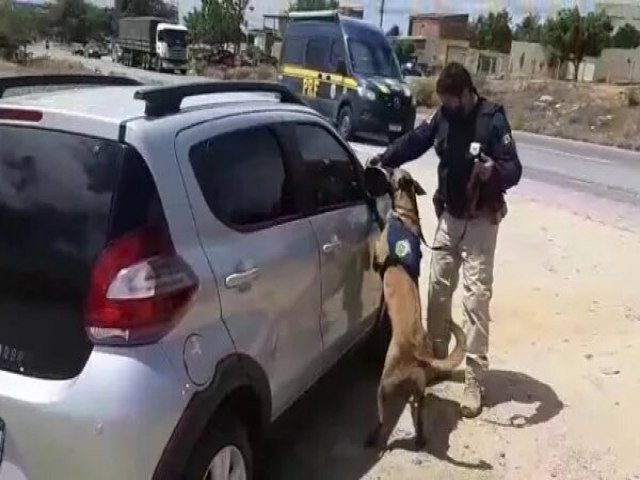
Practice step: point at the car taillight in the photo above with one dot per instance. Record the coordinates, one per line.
(139, 289)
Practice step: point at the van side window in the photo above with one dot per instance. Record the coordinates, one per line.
(330, 168)
(317, 53)
(293, 51)
(337, 53)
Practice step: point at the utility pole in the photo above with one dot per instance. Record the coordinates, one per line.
(381, 12)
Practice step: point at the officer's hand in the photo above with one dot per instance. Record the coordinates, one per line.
(375, 161)
(485, 167)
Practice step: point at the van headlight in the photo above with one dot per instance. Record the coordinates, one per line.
(406, 90)
(366, 93)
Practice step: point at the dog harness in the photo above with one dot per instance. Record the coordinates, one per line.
(404, 247)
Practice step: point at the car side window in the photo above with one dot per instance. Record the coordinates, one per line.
(317, 53)
(243, 178)
(330, 168)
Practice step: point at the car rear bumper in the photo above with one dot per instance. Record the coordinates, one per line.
(380, 119)
(112, 421)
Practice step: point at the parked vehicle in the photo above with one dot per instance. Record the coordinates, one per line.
(153, 44)
(93, 51)
(179, 264)
(346, 69)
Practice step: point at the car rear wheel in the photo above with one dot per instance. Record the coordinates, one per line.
(345, 122)
(224, 453)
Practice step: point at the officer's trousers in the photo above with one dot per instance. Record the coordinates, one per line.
(468, 246)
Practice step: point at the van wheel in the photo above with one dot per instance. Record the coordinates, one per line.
(345, 122)
(224, 452)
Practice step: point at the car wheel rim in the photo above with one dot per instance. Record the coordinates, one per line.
(228, 464)
(345, 124)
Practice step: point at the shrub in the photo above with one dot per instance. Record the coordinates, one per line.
(633, 96)
(424, 90)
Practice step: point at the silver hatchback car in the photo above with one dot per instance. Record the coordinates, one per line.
(177, 266)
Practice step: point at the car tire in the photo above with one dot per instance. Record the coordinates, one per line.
(225, 445)
(345, 122)
(183, 72)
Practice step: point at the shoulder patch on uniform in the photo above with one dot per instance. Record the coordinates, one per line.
(402, 248)
(506, 140)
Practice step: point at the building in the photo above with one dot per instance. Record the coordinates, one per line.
(621, 11)
(439, 25)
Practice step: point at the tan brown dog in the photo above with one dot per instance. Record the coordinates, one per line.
(409, 364)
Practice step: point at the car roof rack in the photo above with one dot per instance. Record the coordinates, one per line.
(24, 81)
(166, 100)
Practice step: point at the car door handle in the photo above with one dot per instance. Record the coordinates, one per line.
(331, 246)
(238, 279)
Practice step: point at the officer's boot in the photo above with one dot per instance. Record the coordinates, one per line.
(471, 405)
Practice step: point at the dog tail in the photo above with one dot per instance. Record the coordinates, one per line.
(456, 357)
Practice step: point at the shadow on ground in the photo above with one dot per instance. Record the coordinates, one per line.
(504, 386)
(322, 435)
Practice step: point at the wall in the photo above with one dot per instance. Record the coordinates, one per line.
(527, 60)
(618, 66)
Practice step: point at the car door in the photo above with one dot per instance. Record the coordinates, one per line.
(261, 248)
(345, 229)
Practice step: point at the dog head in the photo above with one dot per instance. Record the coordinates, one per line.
(405, 190)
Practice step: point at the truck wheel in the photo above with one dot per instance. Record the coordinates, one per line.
(345, 122)
(223, 453)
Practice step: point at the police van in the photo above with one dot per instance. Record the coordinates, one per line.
(347, 70)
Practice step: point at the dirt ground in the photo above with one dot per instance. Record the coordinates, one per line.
(564, 383)
(598, 113)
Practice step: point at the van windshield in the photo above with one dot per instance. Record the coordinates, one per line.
(373, 57)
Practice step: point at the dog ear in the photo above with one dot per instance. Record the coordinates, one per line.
(418, 189)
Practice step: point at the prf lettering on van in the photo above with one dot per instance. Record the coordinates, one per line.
(310, 87)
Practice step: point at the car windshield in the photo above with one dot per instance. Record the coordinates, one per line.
(373, 57)
(174, 38)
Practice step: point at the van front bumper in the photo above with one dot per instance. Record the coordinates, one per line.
(379, 118)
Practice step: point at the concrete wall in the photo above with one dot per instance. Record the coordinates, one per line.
(618, 65)
(527, 60)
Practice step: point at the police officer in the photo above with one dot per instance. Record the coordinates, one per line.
(463, 240)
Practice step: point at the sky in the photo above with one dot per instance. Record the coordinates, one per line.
(397, 11)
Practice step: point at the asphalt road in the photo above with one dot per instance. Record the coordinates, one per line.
(608, 172)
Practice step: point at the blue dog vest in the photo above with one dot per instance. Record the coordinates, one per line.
(404, 247)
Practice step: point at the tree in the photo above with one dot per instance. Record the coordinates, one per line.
(529, 29)
(311, 5)
(405, 49)
(569, 36)
(492, 32)
(217, 22)
(68, 19)
(153, 8)
(627, 36)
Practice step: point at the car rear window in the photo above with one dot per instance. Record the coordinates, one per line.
(62, 198)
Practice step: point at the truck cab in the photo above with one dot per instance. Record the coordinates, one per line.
(171, 43)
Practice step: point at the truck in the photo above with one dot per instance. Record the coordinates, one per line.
(152, 43)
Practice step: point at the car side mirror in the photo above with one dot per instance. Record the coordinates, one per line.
(376, 181)
(341, 68)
